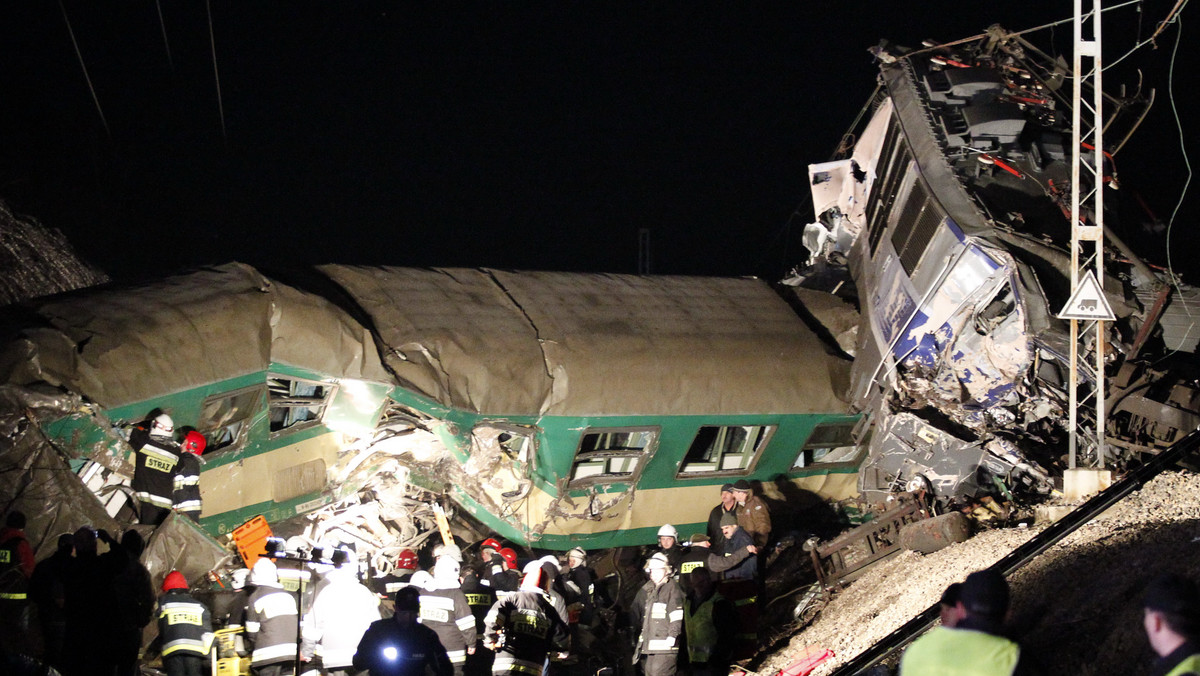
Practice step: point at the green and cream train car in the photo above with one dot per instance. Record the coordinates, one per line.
(556, 409)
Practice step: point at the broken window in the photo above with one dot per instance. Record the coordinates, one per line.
(729, 449)
(225, 418)
(610, 455)
(297, 403)
(829, 443)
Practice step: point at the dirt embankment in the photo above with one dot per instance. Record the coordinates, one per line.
(1076, 607)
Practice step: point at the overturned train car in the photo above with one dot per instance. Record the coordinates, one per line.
(554, 409)
(950, 213)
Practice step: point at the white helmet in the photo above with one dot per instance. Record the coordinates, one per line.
(264, 572)
(668, 531)
(451, 551)
(162, 426)
(422, 579)
(658, 560)
(577, 553)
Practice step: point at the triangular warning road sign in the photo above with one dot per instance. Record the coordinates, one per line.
(1088, 302)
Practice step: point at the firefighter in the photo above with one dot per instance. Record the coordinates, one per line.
(509, 579)
(668, 545)
(480, 597)
(709, 621)
(341, 612)
(701, 555)
(154, 468)
(271, 616)
(185, 627)
(445, 610)
(399, 646)
(580, 583)
(662, 619)
(186, 494)
(524, 627)
(401, 575)
(16, 567)
(491, 562)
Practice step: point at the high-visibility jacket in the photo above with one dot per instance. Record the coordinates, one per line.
(186, 494)
(154, 470)
(1188, 665)
(960, 652)
(447, 612)
(184, 624)
(525, 626)
(341, 613)
(16, 565)
(271, 625)
(662, 619)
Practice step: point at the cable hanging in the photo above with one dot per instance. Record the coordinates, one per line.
(82, 65)
(213, 46)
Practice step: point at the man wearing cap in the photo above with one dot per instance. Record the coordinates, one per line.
(728, 505)
(1171, 618)
(701, 555)
(753, 515)
(974, 646)
(399, 646)
(661, 620)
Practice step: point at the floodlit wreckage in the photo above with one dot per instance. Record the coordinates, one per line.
(348, 407)
(950, 211)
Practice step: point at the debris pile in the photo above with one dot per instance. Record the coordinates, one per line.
(1076, 607)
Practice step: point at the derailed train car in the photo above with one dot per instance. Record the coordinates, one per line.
(555, 409)
(951, 214)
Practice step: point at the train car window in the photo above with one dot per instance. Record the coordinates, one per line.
(611, 455)
(296, 403)
(225, 418)
(722, 450)
(829, 443)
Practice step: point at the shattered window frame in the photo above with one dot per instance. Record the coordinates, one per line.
(288, 398)
(606, 454)
(842, 436)
(716, 451)
(237, 415)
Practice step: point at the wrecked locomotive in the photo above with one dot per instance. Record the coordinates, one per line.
(948, 212)
(554, 409)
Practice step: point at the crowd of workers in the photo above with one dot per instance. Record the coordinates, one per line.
(83, 613)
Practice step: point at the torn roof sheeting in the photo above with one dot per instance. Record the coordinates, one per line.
(123, 346)
(536, 343)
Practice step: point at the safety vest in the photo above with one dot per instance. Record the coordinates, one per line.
(960, 652)
(700, 629)
(1189, 665)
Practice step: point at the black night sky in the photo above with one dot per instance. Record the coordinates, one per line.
(505, 134)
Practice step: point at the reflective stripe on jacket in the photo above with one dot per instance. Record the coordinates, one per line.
(184, 624)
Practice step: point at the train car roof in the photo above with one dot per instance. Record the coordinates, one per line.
(118, 346)
(550, 343)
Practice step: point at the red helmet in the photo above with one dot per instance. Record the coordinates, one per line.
(509, 556)
(407, 560)
(194, 443)
(174, 580)
(490, 543)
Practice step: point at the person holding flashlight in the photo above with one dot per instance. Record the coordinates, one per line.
(400, 646)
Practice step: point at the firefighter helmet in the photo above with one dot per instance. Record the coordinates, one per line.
(668, 531)
(490, 543)
(510, 557)
(174, 580)
(194, 443)
(162, 425)
(407, 560)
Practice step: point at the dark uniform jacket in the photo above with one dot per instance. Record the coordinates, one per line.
(748, 566)
(389, 648)
(271, 625)
(446, 612)
(580, 584)
(480, 597)
(662, 618)
(16, 566)
(715, 536)
(154, 469)
(184, 624)
(524, 626)
(186, 494)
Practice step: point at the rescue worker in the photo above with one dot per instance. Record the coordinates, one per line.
(186, 495)
(154, 468)
(271, 615)
(524, 627)
(406, 565)
(580, 583)
(509, 579)
(975, 645)
(1171, 618)
(47, 590)
(480, 597)
(662, 620)
(399, 646)
(341, 612)
(701, 555)
(708, 621)
(16, 567)
(185, 627)
(444, 609)
(753, 515)
(451, 551)
(668, 541)
(550, 570)
(948, 605)
(728, 505)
